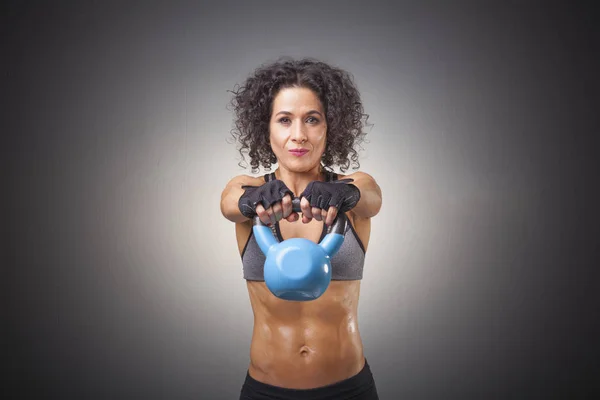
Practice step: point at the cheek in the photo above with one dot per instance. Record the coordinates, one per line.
(276, 139)
(273, 135)
(320, 138)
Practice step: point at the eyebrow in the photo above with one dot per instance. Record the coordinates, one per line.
(309, 112)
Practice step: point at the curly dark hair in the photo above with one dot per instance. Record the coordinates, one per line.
(252, 105)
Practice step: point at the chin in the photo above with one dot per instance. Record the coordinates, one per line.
(300, 167)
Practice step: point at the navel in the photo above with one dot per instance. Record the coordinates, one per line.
(305, 351)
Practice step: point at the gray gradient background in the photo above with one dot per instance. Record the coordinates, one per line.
(124, 280)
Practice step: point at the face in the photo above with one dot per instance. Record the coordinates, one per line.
(298, 123)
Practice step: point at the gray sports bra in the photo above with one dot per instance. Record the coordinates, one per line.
(346, 264)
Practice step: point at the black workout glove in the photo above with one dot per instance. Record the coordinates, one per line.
(340, 194)
(267, 195)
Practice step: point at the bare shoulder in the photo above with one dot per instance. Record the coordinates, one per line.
(358, 175)
(238, 181)
(245, 179)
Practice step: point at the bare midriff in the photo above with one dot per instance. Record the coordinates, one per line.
(303, 345)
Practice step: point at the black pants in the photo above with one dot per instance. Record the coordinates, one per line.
(358, 387)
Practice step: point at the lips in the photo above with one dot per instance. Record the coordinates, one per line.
(298, 152)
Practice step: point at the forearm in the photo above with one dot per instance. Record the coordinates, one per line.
(370, 195)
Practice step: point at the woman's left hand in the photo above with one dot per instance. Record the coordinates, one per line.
(323, 200)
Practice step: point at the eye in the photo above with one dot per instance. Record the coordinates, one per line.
(284, 120)
(312, 120)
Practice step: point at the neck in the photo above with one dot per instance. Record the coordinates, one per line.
(297, 181)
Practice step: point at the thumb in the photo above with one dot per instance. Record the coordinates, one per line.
(293, 217)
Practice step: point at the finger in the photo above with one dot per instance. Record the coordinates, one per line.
(263, 215)
(317, 213)
(306, 209)
(293, 217)
(331, 216)
(277, 209)
(324, 215)
(271, 215)
(286, 206)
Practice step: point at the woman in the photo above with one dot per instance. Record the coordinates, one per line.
(305, 116)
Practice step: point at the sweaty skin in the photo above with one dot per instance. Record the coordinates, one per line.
(304, 345)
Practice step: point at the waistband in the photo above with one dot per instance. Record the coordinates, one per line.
(352, 387)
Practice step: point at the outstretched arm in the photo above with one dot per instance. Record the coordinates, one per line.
(231, 195)
(370, 194)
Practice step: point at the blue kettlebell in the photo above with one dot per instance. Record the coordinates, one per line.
(298, 269)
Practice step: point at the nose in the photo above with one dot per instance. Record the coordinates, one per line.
(298, 134)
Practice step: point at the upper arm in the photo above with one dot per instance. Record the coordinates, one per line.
(235, 182)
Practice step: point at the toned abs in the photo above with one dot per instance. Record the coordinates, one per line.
(305, 344)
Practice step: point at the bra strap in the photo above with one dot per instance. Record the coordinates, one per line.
(330, 176)
(270, 177)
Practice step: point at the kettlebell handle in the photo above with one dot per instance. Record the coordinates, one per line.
(338, 225)
(296, 205)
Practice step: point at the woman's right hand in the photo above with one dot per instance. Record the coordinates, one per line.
(271, 201)
(278, 211)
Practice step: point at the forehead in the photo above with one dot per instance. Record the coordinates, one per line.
(296, 99)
